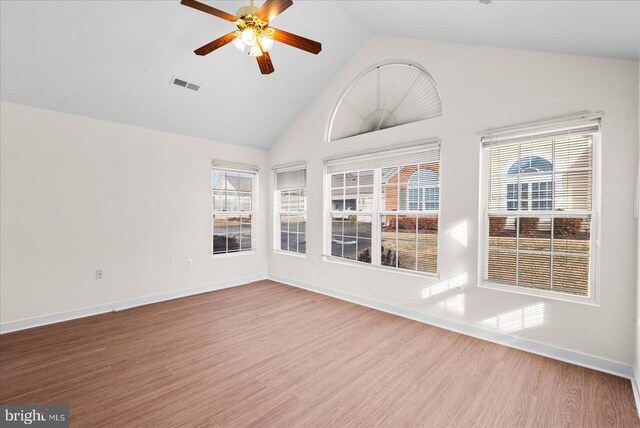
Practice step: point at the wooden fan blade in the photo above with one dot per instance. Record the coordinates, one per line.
(297, 41)
(272, 8)
(217, 43)
(208, 9)
(265, 64)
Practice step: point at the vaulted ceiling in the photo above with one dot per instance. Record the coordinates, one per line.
(114, 60)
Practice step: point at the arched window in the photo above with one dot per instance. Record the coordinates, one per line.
(424, 190)
(386, 96)
(535, 185)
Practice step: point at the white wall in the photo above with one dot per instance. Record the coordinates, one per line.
(80, 194)
(481, 88)
(637, 341)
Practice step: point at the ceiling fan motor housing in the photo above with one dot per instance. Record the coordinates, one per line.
(246, 11)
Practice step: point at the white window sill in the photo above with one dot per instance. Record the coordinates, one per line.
(234, 254)
(347, 262)
(290, 253)
(591, 300)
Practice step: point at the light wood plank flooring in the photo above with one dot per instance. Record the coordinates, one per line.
(267, 354)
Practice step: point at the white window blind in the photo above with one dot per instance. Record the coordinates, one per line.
(386, 96)
(233, 166)
(424, 153)
(233, 194)
(538, 205)
(383, 208)
(291, 179)
(291, 203)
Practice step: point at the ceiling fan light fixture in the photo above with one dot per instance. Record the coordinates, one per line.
(266, 42)
(249, 37)
(238, 43)
(254, 36)
(255, 50)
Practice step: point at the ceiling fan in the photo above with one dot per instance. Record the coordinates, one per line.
(254, 36)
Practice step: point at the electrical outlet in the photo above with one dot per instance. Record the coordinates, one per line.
(189, 262)
(99, 274)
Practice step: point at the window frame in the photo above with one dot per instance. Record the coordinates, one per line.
(277, 211)
(376, 214)
(253, 212)
(593, 296)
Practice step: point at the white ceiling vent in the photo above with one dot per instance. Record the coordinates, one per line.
(185, 84)
(387, 96)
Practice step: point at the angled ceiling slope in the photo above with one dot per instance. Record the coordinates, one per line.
(115, 60)
(601, 28)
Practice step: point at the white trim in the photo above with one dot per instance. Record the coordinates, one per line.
(533, 127)
(423, 145)
(526, 135)
(121, 305)
(634, 387)
(290, 253)
(235, 167)
(557, 353)
(545, 294)
(293, 166)
(250, 252)
(392, 269)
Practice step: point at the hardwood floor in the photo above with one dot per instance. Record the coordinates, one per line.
(266, 354)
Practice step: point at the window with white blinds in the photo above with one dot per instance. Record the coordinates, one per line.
(291, 206)
(382, 209)
(538, 205)
(233, 195)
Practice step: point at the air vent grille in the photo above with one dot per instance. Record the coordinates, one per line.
(180, 83)
(185, 84)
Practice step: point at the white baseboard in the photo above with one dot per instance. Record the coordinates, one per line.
(557, 353)
(123, 304)
(634, 386)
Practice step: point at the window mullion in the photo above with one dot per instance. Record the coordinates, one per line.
(397, 188)
(541, 214)
(518, 211)
(423, 213)
(416, 241)
(553, 207)
(376, 232)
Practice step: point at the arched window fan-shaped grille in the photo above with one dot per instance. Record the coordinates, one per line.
(387, 96)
